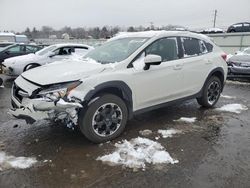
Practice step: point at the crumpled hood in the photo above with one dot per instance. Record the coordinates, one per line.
(240, 58)
(63, 71)
(21, 59)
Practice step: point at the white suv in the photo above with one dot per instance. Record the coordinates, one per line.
(129, 74)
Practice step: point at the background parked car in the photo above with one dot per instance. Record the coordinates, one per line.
(15, 66)
(239, 64)
(239, 27)
(16, 50)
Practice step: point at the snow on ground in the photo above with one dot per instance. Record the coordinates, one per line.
(169, 133)
(136, 153)
(9, 161)
(187, 120)
(235, 108)
(237, 82)
(227, 97)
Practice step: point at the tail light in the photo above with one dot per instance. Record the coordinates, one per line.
(224, 56)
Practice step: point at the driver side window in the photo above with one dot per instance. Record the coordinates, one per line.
(167, 48)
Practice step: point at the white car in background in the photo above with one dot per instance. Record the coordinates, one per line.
(17, 65)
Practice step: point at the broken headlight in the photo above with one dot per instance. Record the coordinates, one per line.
(57, 91)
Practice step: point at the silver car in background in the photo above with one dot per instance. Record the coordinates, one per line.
(239, 64)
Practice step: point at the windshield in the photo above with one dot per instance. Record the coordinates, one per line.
(46, 50)
(116, 50)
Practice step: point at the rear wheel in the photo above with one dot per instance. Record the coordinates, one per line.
(104, 119)
(211, 92)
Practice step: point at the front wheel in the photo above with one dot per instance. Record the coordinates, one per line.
(104, 119)
(211, 92)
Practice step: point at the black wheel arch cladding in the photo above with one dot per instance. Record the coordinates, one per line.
(219, 72)
(119, 88)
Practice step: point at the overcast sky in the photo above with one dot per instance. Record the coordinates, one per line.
(18, 14)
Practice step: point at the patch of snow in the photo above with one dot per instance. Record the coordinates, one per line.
(157, 138)
(235, 108)
(187, 120)
(228, 97)
(145, 132)
(139, 64)
(2, 86)
(213, 30)
(136, 153)
(237, 82)
(9, 161)
(169, 133)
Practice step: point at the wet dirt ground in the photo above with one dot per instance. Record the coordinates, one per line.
(213, 152)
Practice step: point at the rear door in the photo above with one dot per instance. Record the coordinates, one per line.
(196, 65)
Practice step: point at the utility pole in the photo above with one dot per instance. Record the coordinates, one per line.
(215, 16)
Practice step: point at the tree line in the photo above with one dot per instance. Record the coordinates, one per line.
(84, 33)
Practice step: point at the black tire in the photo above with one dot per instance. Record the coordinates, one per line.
(30, 66)
(97, 109)
(209, 97)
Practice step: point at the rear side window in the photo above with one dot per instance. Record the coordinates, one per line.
(167, 48)
(191, 46)
(195, 47)
(31, 48)
(80, 50)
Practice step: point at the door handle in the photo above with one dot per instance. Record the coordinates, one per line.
(178, 67)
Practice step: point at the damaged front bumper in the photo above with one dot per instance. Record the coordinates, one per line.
(33, 110)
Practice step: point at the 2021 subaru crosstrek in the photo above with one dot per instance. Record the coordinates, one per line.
(127, 75)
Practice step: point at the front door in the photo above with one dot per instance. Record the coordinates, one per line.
(160, 83)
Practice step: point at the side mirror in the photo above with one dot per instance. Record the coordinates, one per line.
(152, 59)
(7, 52)
(52, 54)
